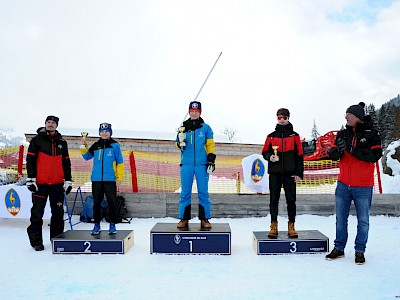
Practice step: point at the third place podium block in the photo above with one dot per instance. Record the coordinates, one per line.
(167, 239)
(309, 241)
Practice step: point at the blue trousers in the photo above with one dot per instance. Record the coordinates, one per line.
(362, 197)
(187, 174)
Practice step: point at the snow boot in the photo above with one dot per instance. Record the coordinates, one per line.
(183, 224)
(38, 248)
(205, 224)
(335, 253)
(273, 233)
(112, 229)
(96, 229)
(360, 259)
(292, 233)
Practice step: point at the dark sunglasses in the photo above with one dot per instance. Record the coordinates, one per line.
(282, 118)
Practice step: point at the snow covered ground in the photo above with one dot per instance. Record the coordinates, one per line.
(28, 274)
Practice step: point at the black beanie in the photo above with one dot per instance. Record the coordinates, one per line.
(283, 112)
(357, 110)
(195, 105)
(53, 118)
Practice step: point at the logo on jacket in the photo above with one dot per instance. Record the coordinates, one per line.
(12, 201)
(257, 170)
(60, 146)
(109, 153)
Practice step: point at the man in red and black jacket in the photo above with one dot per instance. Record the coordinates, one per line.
(49, 175)
(284, 152)
(358, 147)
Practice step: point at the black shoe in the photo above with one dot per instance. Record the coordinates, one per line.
(38, 248)
(335, 254)
(360, 259)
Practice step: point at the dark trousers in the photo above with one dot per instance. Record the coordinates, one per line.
(55, 192)
(109, 188)
(276, 182)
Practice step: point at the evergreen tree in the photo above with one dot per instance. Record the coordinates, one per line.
(381, 119)
(390, 124)
(314, 131)
(371, 111)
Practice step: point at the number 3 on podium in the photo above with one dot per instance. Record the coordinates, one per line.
(294, 247)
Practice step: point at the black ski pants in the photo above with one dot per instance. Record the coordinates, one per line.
(109, 188)
(276, 181)
(55, 193)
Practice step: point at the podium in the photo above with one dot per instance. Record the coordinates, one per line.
(82, 242)
(309, 241)
(167, 239)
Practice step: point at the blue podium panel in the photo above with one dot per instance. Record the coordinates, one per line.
(309, 241)
(167, 239)
(82, 242)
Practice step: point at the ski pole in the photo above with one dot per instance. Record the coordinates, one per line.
(204, 83)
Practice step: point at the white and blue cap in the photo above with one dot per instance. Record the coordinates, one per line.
(105, 126)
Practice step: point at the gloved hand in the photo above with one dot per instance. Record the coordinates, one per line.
(211, 162)
(182, 140)
(68, 187)
(341, 144)
(31, 185)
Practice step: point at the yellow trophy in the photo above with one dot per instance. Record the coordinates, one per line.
(276, 152)
(84, 135)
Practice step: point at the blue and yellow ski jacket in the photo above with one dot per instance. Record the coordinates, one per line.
(199, 142)
(108, 162)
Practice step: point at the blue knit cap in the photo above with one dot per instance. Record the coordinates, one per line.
(105, 126)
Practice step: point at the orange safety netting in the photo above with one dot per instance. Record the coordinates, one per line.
(159, 172)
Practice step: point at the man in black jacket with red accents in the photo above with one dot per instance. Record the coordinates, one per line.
(49, 175)
(284, 152)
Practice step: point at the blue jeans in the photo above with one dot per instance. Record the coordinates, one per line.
(362, 197)
(187, 174)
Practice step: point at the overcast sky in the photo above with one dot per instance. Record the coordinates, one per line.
(138, 63)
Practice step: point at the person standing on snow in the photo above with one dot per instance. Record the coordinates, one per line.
(358, 147)
(284, 152)
(49, 175)
(107, 172)
(196, 142)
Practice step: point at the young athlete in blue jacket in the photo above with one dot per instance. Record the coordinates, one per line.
(107, 172)
(196, 142)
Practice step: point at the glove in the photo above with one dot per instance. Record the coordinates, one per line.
(68, 187)
(31, 185)
(341, 144)
(182, 140)
(211, 162)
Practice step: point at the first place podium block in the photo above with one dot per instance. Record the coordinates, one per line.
(309, 241)
(82, 242)
(167, 239)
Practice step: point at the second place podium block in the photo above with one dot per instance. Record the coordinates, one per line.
(167, 239)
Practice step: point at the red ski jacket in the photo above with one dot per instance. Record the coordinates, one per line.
(363, 149)
(290, 151)
(47, 159)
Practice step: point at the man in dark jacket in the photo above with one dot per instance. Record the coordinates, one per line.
(358, 147)
(284, 153)
(49, 175)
